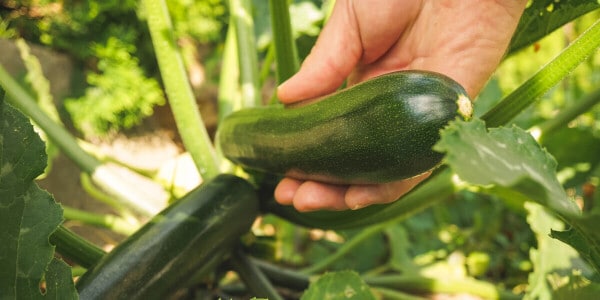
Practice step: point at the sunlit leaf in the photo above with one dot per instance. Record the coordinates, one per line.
(509, 162)
(542, 17)
(338, 285)
(550, 257)
(504, 157)
(583, 236)
(28, 215)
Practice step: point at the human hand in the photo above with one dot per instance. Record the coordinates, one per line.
(463, 39)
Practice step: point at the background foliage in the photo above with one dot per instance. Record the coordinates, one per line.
(486, 241)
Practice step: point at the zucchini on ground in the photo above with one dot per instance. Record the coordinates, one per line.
(187, 238)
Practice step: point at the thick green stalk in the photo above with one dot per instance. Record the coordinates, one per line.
(544, 79)
(229, 98)
(88, 187)
(241, 11)
(286, 54)
(76, 248)
(252, 276)
(229, 79)
(181, 98)
(568, 114)
(114, 223)
(19, 98)
(284, 277)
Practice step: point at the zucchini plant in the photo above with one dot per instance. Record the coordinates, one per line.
(228, 238)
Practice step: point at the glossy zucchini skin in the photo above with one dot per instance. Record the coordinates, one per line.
(189, 237)
(377, 131)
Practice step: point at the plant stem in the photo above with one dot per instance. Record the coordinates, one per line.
(544, 79)
(75, 248)
(77, 271)
(20, 99)
(253, 277)
(284, 277)
(570, 113)
(346, 248)
(286, 53)
(88, 186)
(181, 98)
(420, 284)
(229, 94)
(107, 221)
(265, 69)
(241, 11)
(229, 97)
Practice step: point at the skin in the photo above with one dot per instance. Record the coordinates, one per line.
(463, 39)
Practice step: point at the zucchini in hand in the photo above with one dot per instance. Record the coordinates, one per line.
(380, 130)
(187, 238)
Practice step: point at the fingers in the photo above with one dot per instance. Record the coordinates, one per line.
(359, 196)
(335, 54)
(311, 195)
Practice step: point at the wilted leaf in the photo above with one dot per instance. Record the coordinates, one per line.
(338, 285)
(542, 17)
(28, 215)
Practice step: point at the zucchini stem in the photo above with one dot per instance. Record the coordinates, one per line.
(75, 248)
(547, 77)
(241, 11)
(286, 53)
(181, 98)
(570, 113)
(112, 222)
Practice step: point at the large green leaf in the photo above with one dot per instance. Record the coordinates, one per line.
(542, 17)
(505, 158)
(338, 285)
(510, 163)
(28, 215)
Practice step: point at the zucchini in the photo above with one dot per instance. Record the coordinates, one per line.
(188, 237)
(380, 130)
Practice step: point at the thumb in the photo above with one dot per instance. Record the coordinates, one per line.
(335, 54)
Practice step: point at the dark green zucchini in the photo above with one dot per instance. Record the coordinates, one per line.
(377, 131)
(186, 238)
